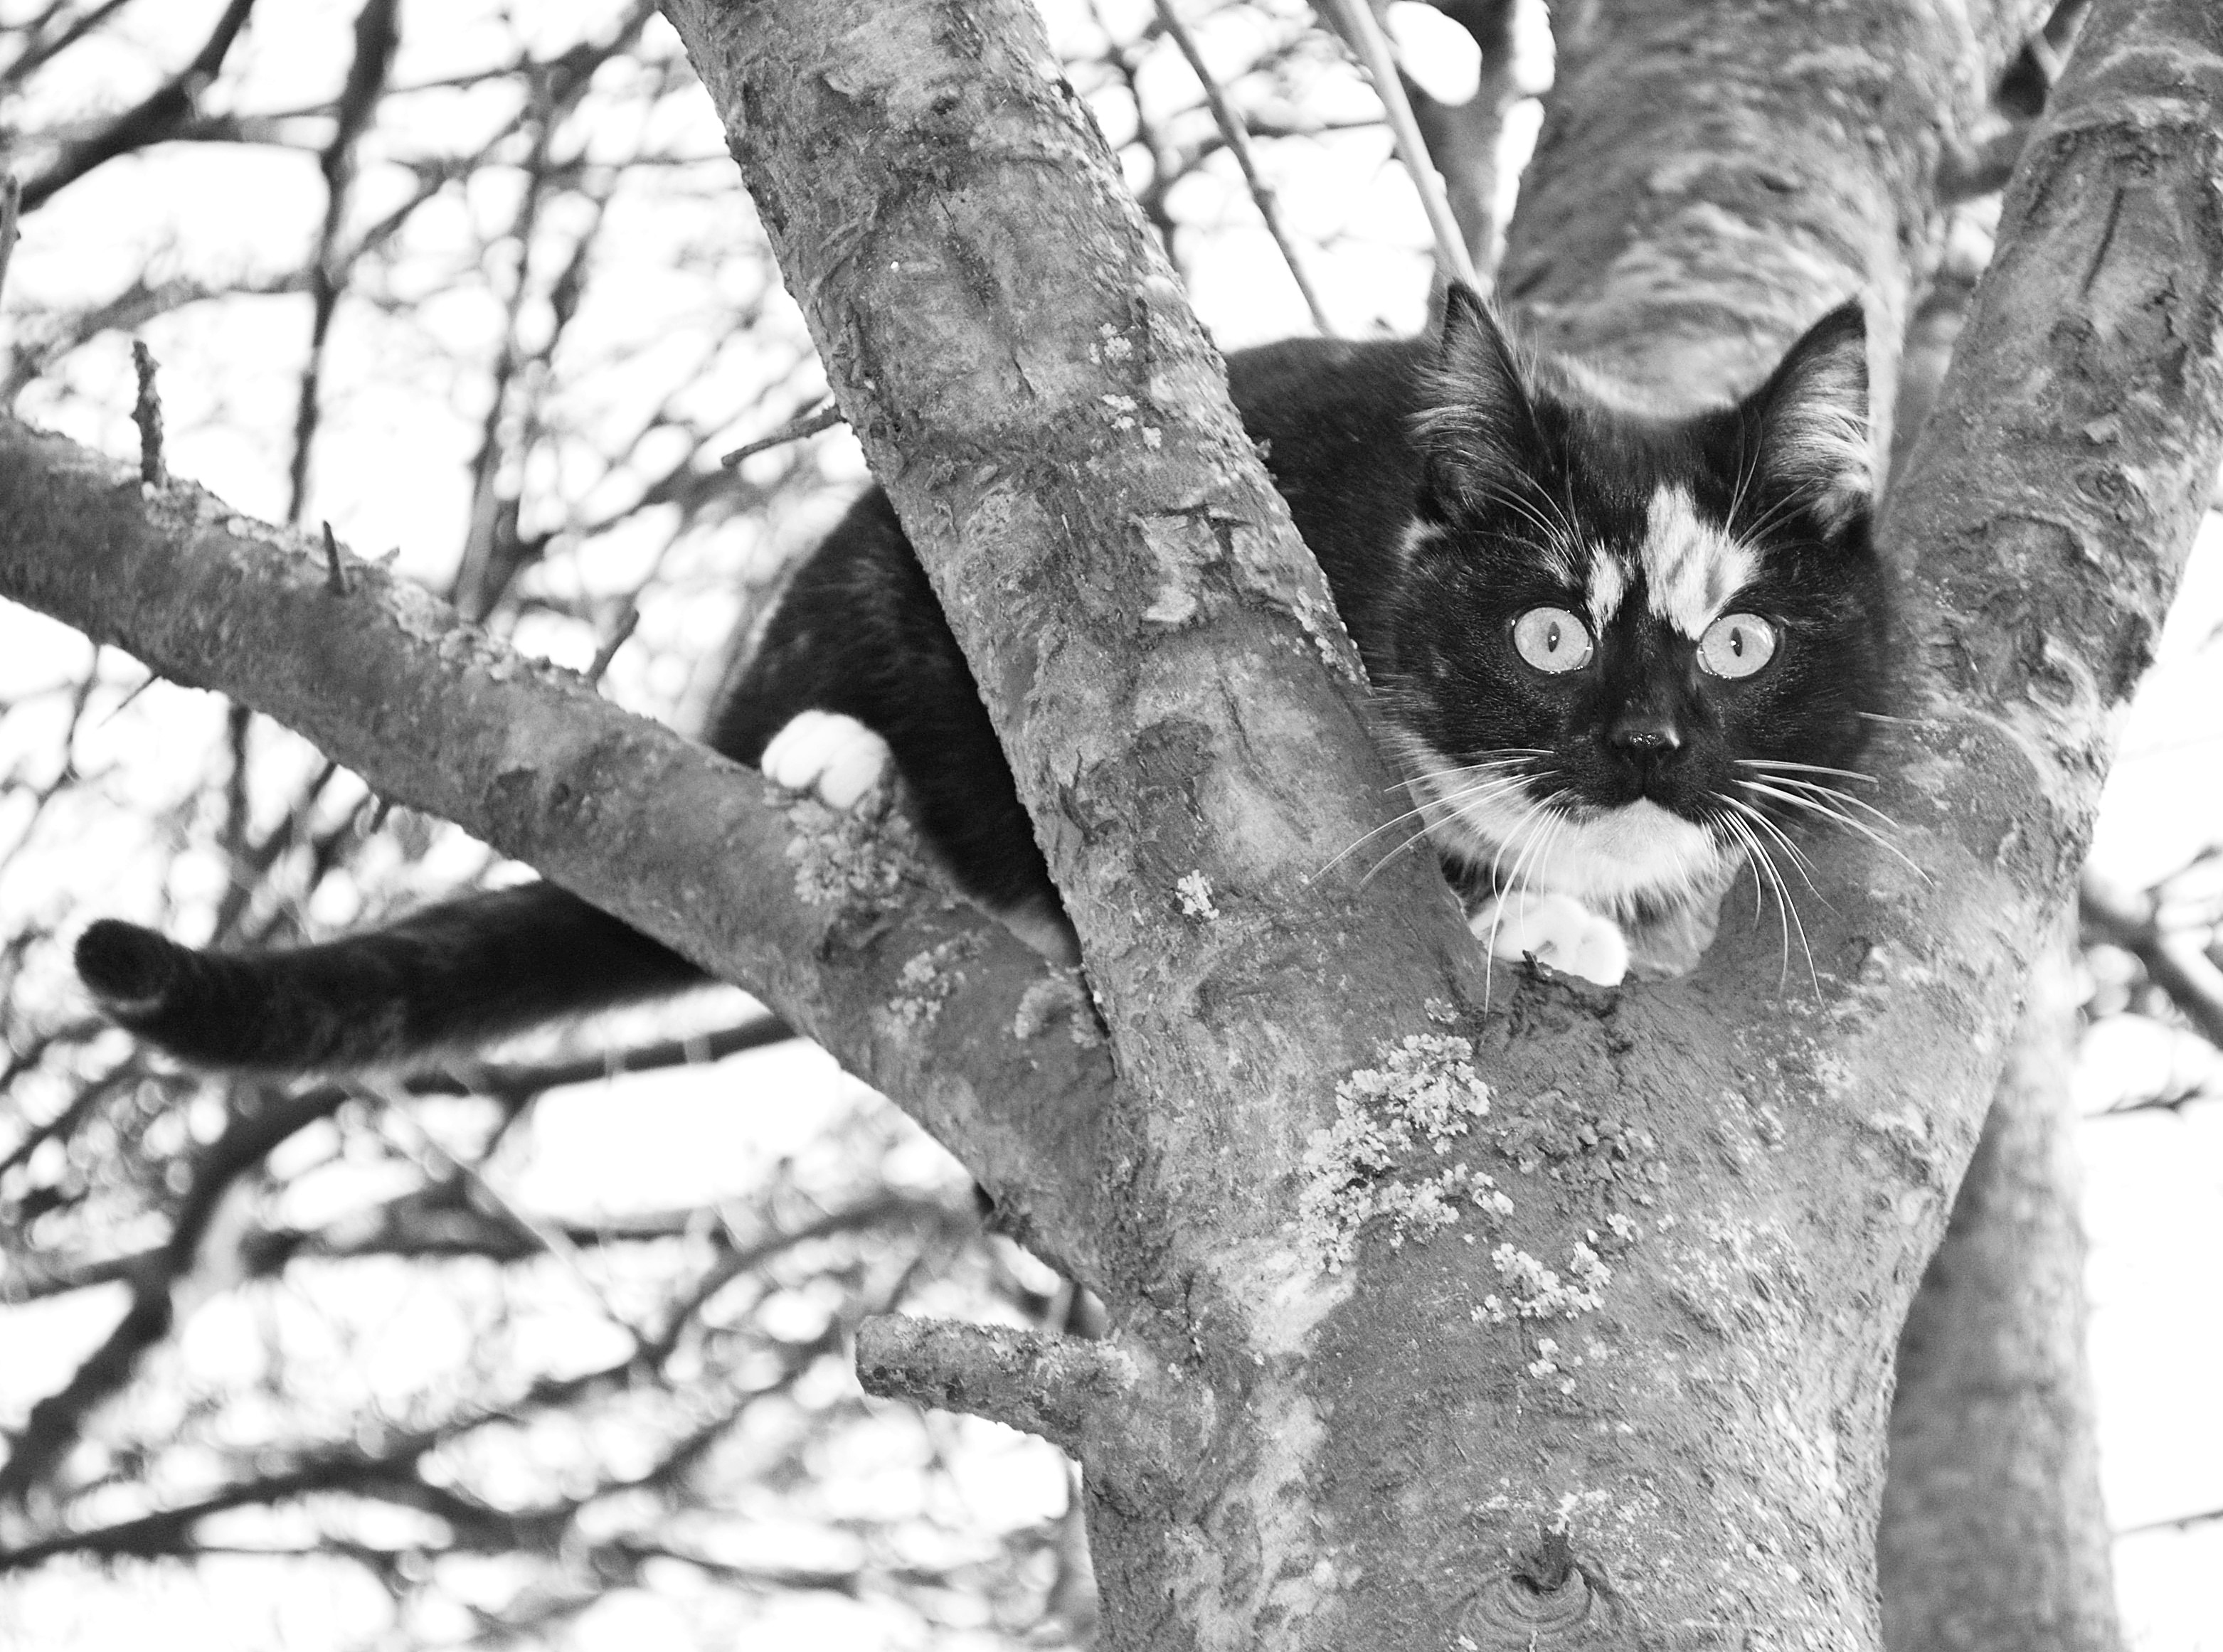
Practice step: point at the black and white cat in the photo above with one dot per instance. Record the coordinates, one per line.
(1614, 651)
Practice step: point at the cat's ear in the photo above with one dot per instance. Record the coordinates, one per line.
(1478, 423)
(1811, 419)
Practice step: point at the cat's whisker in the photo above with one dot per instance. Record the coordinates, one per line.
(1421, 836)
(1505, 890)
(1346, 853)
(1553, 537)
(1851, 823)
(1559, 538)
(1757, 855)
(1831, 795)
(1501, 777)
(1769, 518)
(1368, 875)
(1776, 765)
(1431, 811)
(1538, 850)
(1521, 826)
(1746, 472)
(1736, 829)
(1797, 923)
(1506, 762)
(1561, 526)
(1511, 839)
(1418, 812)
(1799, 863)
(1449, 805)
(1786, 908)
(1896, 722)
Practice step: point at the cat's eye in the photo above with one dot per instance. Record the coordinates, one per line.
(1551, 640)
(1737, 645)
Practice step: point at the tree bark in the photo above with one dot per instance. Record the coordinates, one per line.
(1993, 1536)
(1636, 1398)
(679, 842)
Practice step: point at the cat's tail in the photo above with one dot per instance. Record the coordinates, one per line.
(453, 975)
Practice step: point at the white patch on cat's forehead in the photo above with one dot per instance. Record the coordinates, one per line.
(1608, 583)
(1691, 568)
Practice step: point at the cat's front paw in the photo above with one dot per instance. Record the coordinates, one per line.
(1555, 930)
(834, 755)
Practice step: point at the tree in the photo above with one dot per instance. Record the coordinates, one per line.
(1719, 1207)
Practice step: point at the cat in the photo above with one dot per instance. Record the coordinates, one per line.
(1615, 652)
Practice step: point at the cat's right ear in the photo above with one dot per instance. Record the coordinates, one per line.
(1811, 419)
(1479, 424)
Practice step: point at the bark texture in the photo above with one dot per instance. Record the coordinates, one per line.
(1993, 1537)
(685, 845)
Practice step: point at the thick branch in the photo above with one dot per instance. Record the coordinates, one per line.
(675, 840)
(1151, 635)
(1992, 1537)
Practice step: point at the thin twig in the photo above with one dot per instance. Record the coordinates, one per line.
(11, 202)
(824, 417)
(147, 414)
(1366, 37)
(335, 571)
(418, 1143)
(1238, 137)
(2175, 1523)
(616, 640)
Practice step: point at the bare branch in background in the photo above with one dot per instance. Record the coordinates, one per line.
(376, 39)
(1465, 138)
(2178, 965)
(1230, 122)
(38, 51)
(151, 121)
(1355, 22)
(11, 202)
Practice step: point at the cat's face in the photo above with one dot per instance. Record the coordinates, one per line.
(1623, 650)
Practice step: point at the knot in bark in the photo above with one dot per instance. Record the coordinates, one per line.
(1548, 1601)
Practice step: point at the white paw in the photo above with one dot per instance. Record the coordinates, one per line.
(1553, 929)
(836, 756)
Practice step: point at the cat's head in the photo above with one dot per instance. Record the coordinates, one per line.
(1623, 648)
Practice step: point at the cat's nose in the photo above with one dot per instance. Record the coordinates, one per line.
(1645, 734)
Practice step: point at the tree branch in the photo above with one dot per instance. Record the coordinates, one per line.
(1992, 1537)
(672, 838)
(1137, 1428)
(150, 122)
(1043, 411)
(2177, 965)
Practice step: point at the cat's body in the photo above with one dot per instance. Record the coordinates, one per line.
(1588, 630)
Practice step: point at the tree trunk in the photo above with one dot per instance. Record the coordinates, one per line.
(1993, 1537)
(1407, 1456)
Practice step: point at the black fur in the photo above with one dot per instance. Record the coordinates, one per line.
(1366, 440)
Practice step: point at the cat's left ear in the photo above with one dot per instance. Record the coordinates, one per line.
(1479, 424)
(1811, 417)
